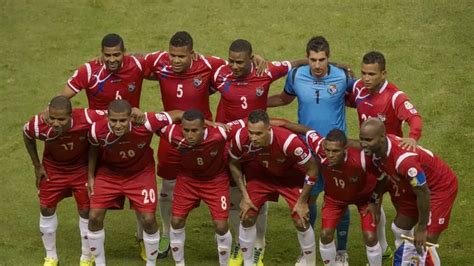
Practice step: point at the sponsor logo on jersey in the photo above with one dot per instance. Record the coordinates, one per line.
(214, 153)
(141, 145)
(160, 116)
(298, 151)
(259, 91)
(197, 81)
(412, 172)
(332, 89)
(131, 87)
(408, 105)
(381, 117)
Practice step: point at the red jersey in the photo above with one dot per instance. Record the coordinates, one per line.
(188, 90)
(103, 86)
(122, 156)
(64, 152)
(206, 159)
(416, 168)
(285, 152)
(390, 105)
(240, 96)
(353, 180)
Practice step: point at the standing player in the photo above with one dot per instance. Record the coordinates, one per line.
(285, 159)
(63, 170)
(203, 176)
(425, 185)
(121, 165)
(320, 89)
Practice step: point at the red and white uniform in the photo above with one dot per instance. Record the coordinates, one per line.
(64, 157)
(203, 174)
(240, 96)
(408, 169)
(126, 166)
(181, 91)
(283, 163)
(351, 182)
(390, 105)
(103, 86)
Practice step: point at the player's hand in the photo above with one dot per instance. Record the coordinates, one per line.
(90, 186)
(346, 67)
(44, 116)
(408, 144)
(373, 209)
(99, 60)
(245, 206)
(40, 173)
(302, 209)
(420, 239)
(261, 65)
(138, 117)
(195, 56)
(278, 122)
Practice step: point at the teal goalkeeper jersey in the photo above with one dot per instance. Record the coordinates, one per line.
(321, 101)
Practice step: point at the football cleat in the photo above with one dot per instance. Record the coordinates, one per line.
(50, 262)
(87, 262)
(164, 247)
(236, 258)
(258, 256)
(342, 258)
(141, 248)
(387, 257)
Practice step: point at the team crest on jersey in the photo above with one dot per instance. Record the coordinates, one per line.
(298, 151)
(197, 81)
(412, 172)
(214, 153)
(381, 117)
(131, 87)
(332, 89)
(354, 179)
(141, 145)
(259, 91)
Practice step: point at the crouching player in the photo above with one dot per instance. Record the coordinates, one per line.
(121, 165)
(63, 170)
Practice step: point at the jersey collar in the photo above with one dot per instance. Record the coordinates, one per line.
(384, 86)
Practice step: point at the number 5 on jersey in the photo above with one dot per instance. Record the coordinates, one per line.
(179, 91)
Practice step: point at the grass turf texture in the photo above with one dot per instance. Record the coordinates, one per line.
(428, 45)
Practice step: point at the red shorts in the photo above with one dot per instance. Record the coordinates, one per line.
(261, 191)
(215, 192)
(140, 189)
(63, 185)
(333, 210)
(169, 160)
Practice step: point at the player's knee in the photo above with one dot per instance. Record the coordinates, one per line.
(178, 222)
(432, 237)
(221, 226)
(301, 226)
(326, 235)
(148, 221)
(96, 220)
(249, 221)
(370, 238)
(45, 211)
(84, 213)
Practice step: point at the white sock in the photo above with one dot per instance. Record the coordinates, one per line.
(151, 246)
(165, 203)
(96, 244)
(381, 230)
(48, 226)
(234, 211)
(398, 232)
(328, 253)
(224, 243)
(83, 223)
(308, 245)
(435, 256)
(139, 226)
(261, 226)
(247, 238)
(177, 238)
(374, 255)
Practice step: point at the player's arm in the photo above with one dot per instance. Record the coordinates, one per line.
(294, 127)
(30, 144)
(405, 111)
(301, 207)
(245, 202)
(280, 99)
(175, 115)
(375, 200)
(299, 62)
(93, 154)
(423, 204)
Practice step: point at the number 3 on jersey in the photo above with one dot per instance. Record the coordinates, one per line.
(244, 104)
(179, 91)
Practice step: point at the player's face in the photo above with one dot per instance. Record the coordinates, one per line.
(240, 63)
(119, 123)
(370, 140)
(372, 76)
(318, 61)
(193, 131)
(180, 58)
(60, 120)
(335, 151)
(259, 134)
(112, 57)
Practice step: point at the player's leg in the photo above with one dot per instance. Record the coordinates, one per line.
(342, 236)
(381, 236)
(331, 214)
(402, 225)
(96, 234)
(48, 224)
(82, 201)
(369, 232)
(165, 202)
(234, 219)
(224, 241)
(151, 235)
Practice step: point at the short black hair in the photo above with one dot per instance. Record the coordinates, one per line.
(241, 45)
(337, 135)
(61, 103)
(193, 114)
(182, 38)
(112, 40)
(259, 115)
(120, 106)
(317, 44)
(374, 57)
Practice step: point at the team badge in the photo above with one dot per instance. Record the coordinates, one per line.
(354, 179)
(141, 145)
(381, 117)
(412, 172)
(131, 87)
(298, 151)
(332, 89)
(197, 81)
(259, 91)
(213, 153)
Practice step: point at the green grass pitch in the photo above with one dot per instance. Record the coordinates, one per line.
(429, 51)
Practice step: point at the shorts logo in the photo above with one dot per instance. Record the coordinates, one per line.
(441, 221)
(259, 91)
(408, 105)
(131, 87)
(298, 151)
(332, 89)
(141, 145)
(412, 172)
(354, 179)
(197, 81)
(82, 138)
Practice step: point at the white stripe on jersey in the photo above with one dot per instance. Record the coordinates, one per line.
(94, 136)
(362, 160)
(288, 64)
(206, 62)
(170, 120)
(237, 140)
(222, 131)
(394, 98)
(403, 157)
(137, 62)
(147, 123)
(241, 122)
(89, 72)
(26, 128)
(76, 90)
(158, 58)
(288, 142)
(170, 134)
(36, 126)
(217, 72)
(89, 121)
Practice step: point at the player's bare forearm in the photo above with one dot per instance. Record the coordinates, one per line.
(297, 128)
(176, 115)
(380, 186)
(299, 62)
(67, 92)
(354, 143)
(93, 153)
(305, 192)
(311, 176)
(423, 204)
(30, 145)
(236, 172)
(279, 100)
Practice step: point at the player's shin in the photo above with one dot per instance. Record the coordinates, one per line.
(308, 245)
(381, 230)
(224, 243)
(374, 255)
(96, 246)
(177, 238)
(343, 231)
(398, 232)
(151, 246)
(165, 200)
(48, 226)
(83, 224)
(234, 212)
(247, 238)
(139, 235)
(261, 226)
(328, 253)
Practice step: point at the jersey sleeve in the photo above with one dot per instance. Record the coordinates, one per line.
(142, 65)
(278, 69)
(94, 115)
(234, 126)
(314, 141)
(294, 147)
(152, 63)
(236, 150)
(215, 62)
(169, 132)
(156, 121)
(408, 166)
(218, 80)
(289, 88)
(31, 128)
(92, 135)
(351, 95)
(405, 111)
(81, 78)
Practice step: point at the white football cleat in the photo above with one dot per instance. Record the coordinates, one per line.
(342, 258)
